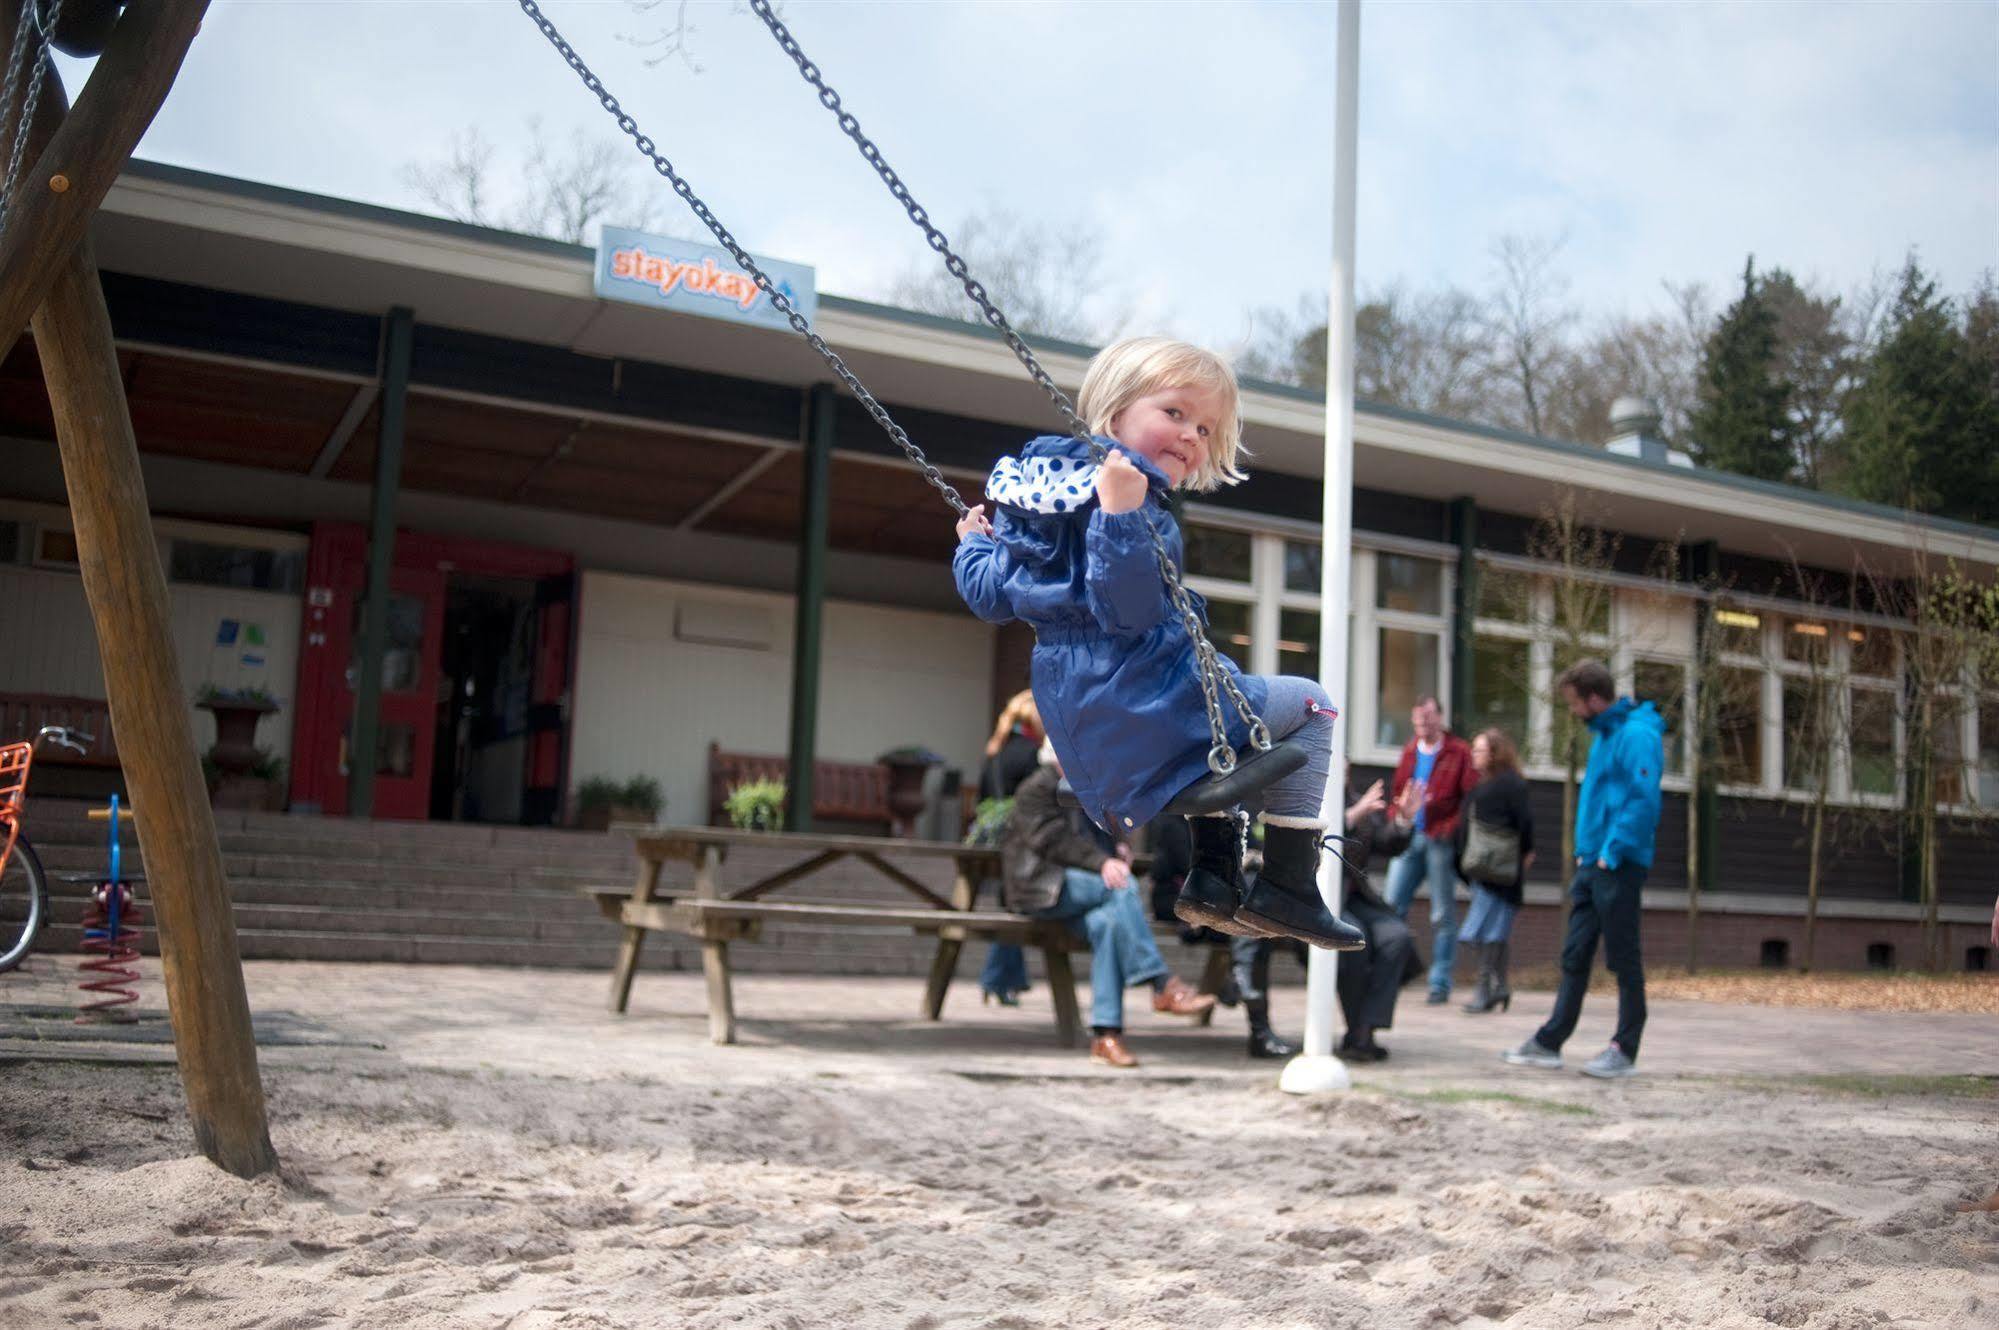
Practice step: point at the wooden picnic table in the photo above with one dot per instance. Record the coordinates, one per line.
(719, 913)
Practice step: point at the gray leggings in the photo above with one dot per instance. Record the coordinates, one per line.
(1299, 707)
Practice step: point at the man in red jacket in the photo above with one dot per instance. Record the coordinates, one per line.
(1440, 763)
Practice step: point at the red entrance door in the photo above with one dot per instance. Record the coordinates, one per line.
(414, 685)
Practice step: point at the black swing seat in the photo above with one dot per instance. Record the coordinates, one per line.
(1217, 794)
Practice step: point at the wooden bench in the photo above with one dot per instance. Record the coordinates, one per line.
(718, 917)
(855, 792)
(22, 716)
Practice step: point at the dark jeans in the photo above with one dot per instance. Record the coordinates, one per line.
(1369, 980)
(1603, 903)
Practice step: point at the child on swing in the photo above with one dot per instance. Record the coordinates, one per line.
(1114, 671)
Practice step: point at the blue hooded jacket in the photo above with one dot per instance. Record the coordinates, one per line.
(1618, 809)
(1113, 672)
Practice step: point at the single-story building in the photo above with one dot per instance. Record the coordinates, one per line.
(606, 513)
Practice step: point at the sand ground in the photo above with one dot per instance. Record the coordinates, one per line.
(489, 1148)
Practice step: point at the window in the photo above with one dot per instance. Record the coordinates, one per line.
(1739, 632)
(1978, 958)
(236, 566)
(1872, 652)
(1301, 567)
(1298, 643)
(1663, 683)
(1415, 586)
(1407, 663)
(1506, 596)
(1808, 642)
(1872, 732)
(1228, 629)
(1946, 728)
(1501, 678)
(1880, 955)
(1738, 713)
(1807, 734)
(1218, 552)
(55, 548)
(1776, 953)
(1988, 753)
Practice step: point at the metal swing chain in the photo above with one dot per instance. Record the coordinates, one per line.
(776, 297)
(30, 19)
(1221, 758)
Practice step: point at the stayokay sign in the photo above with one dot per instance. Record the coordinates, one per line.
(696, 279)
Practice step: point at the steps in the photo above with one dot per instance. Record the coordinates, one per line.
(310, 888)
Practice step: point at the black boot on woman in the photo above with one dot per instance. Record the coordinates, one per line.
(1263, 1041)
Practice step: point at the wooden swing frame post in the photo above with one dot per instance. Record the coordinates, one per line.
(47, 275)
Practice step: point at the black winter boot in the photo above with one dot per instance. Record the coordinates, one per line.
(1284, 900)
(1214, 887)
(1263, 1041)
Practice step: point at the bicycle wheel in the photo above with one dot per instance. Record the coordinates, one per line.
(24, 904)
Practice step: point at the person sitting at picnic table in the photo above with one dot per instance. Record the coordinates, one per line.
(1370, 980)
(1012, 754)
(1053, 870)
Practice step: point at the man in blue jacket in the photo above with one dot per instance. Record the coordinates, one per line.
(1615, 819)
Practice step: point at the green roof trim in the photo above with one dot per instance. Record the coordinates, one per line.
(526, 244)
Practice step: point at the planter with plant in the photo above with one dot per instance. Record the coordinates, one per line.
(756, 805)
(240, 774)
(907, 768)
(600, 801)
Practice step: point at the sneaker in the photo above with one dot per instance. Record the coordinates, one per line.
(1610, 1065)
(1534, 1053)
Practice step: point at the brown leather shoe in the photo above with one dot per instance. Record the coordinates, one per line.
(1179, 998)
(1109, 1049)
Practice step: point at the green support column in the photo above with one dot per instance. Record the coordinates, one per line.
(1704, 563)
(809, 621)
(400, 333)
(1464, 612)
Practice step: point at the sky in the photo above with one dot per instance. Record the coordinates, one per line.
(1656, 141)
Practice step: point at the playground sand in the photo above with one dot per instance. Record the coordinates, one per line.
(511, 1158)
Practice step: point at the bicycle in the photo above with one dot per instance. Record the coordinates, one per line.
(21, 876)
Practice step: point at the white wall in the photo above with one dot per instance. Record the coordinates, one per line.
(649, 702)
(49, 645)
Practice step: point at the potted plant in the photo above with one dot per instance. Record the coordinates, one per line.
(907, 767)
(756, 805)
(600, 801)
(244, 775)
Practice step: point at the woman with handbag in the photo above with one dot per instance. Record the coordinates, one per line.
(1495, 849)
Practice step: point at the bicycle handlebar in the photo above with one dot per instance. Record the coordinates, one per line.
(74, 740)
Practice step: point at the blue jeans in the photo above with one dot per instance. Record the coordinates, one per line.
(1299, 707)
(1435, 862)
(1005, 973)
(1122, 952)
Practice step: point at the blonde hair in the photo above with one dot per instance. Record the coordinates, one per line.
(1020, 707)
(1125, 371)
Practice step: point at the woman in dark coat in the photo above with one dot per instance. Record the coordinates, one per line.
(1498, 813)
(1370, 980)
(1010, 759)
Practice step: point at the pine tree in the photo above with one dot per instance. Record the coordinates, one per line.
(1922, 427)
(1742, 423)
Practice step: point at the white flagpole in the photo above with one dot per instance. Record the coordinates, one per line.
(1316, 1070)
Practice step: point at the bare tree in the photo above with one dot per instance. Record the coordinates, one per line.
(1425, 350)
(1046, 277)
(1529, 324)
(561, 190)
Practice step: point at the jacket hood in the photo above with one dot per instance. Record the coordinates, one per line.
(1624, 711)
(1055, 474)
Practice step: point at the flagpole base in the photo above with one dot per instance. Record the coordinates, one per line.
(1306, 1074)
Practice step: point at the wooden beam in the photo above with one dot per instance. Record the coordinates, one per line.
(336, 442)
(735, 485)
(127, 590)
(55, 199)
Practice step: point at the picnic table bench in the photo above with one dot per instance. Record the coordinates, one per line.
(718, 914)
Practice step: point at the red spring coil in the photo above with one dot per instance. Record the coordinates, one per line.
(110, 932)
